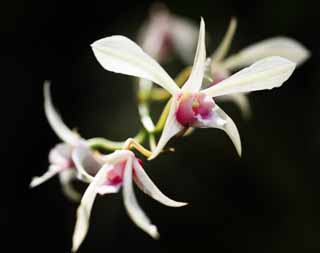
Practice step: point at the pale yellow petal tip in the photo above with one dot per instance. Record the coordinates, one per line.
(33, 182)
(153, 232)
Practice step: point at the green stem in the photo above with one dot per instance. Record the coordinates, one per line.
(108, 145)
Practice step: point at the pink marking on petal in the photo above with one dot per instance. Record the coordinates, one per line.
(193, 107)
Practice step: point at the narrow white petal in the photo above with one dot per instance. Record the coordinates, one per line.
(171, 128)
(241, 100)
(85, 163)
(267, 73)
(194, 82)
(278, 46)
(222, 121)
(84, 209)
(147, 186)
(134, 211)
(121, 55)
(66, 178)
(51, 172)
(55, 121)
(184, 34)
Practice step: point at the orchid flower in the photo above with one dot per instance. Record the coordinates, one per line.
(64, 157)
(119, 170)
(190, 106)
(164, 32)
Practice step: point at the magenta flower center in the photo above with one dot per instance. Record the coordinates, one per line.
(115, 175)
(193, 107)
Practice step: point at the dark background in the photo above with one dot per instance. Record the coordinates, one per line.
(267, 201)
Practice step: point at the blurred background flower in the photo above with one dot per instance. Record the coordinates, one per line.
(267, 201)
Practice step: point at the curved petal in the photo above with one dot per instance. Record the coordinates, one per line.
(280, 46)
(267, 73)
(222, 121)
(51, 172)
(66, 178)
(171, 128)
(132, 206)
(241, 100)
(55, 121)
(184, 34)
(121, 55)
(85, 207)
(147, 186)
(85, 163)
(194, 82)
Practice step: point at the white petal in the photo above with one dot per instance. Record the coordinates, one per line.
(121, 55)
(84, 209)
(222, 121)
(194, 82)
(267, 73)
(132, 206)
(184, 33)
(66, 178)
(51, 172)
(148, 187)
(55, 121)
(85, 163)
(279, 46)
(241, 100)
(107, 189)
(171, 128)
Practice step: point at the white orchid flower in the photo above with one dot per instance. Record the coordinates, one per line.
(119, 170)
(64, 157)
(190, 106)
(164, 33)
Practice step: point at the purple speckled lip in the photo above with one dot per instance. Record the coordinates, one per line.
(192, 107)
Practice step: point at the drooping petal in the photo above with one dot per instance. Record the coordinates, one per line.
(279, 46)
(121, 55)
(61, 155)
(134, 211)
(147, 186)
(171, 128)
(223, 48)
(222, 121)
(85, 163)
(267, 73)
(84, 209)
(55, 121)
(194, 82)
(66, 178)
(51, 172)
(184, 34)
(241, 100)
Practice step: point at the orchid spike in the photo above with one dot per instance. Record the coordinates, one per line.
(119, 170)
(64, 157)
(191, 106)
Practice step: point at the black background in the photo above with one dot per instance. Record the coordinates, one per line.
(267, 201)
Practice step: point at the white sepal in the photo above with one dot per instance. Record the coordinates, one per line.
(267, 73)
(278, 46)
(55, 121)
(222, 121)
(51, 172)
(171, 128)
(85, 207)
(147, 186)
(134, 211)
(194, 82)
(121, 55)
